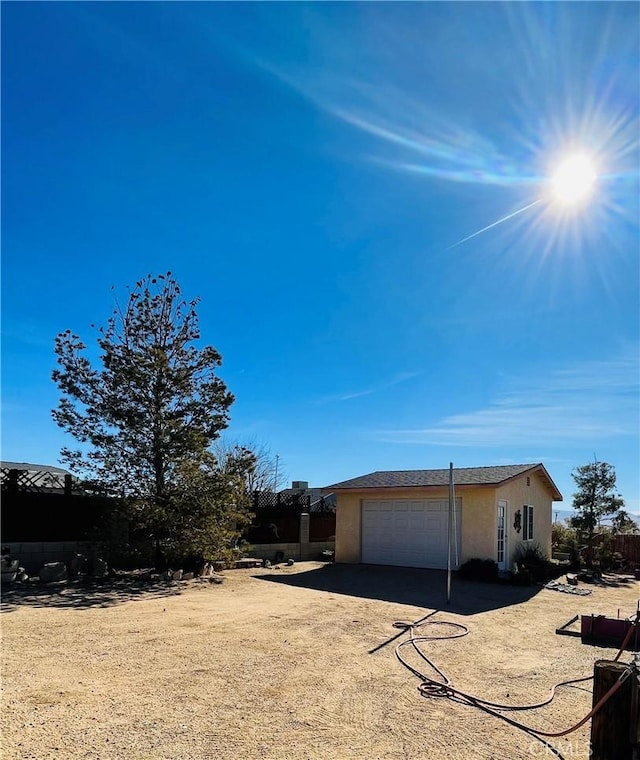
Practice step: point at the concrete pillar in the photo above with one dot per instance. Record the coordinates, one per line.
(304, 536)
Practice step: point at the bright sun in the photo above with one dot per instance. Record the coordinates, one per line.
(573, 180)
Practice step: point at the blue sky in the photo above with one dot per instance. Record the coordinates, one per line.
(309, 171)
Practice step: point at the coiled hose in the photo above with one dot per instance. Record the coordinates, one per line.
(431, 687)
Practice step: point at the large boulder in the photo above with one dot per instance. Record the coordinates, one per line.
(78, 564)
(10, 569)
(100, 568)
(53, 571)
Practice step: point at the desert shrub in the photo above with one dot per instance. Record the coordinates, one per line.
(556, 569)
(533, 558)
(522, 578)
(530, 555)
(479, 570)
(605, 556)
(602, 552)
(565, 539)
(562, 535)
(573, 548)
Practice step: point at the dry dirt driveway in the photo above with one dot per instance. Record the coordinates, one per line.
(277, 664)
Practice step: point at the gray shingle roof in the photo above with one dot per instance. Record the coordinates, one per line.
(463, 476)
(34, 467)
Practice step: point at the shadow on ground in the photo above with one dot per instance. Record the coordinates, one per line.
(85, 593)
(615, 580)
(415, 587)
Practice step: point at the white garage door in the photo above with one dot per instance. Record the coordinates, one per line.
(408, 533)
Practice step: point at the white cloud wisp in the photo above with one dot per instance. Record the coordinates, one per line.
(586, 402)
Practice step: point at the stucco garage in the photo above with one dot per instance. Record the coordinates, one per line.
(409, 532)
(400, 517)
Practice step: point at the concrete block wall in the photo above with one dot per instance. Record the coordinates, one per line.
(32, 555)
(299, 552)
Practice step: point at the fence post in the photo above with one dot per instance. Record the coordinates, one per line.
(304, 535)
(614, 728)
(12, 485)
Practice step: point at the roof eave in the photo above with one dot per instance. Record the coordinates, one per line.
(541, 469)
(465, 486)
(537, 468)
(557, 496)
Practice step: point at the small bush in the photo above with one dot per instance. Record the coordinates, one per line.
(479, 570)
(567, 541)
(606, 557)
(561, 535)
(533, 559)
(530, 555)
(573, 550)
(521, 578)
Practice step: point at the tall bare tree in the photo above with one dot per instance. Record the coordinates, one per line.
(268, 472)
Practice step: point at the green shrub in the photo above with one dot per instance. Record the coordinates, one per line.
(479, 570)
(530, 555)
(605, 556)
(565, 539)
(573, 550)
(561, 535)
(533, 559)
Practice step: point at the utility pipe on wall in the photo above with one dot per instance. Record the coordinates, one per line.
(450, 532)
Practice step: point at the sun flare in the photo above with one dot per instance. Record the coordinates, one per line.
(573, 180)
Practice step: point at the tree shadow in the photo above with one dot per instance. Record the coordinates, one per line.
(86, 593)
(411, 586)
(615, 580)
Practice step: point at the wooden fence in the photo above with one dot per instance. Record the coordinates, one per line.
(41, 506)
(33, 516)
(270, 502)
(270, 529)
(322, 526)
(628, 546)
(277, 519)
(274, 529)
(34, 481)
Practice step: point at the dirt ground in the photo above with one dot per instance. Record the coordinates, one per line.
(277, 664)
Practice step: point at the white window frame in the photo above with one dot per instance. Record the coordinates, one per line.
(502, 534)
(527, 522)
